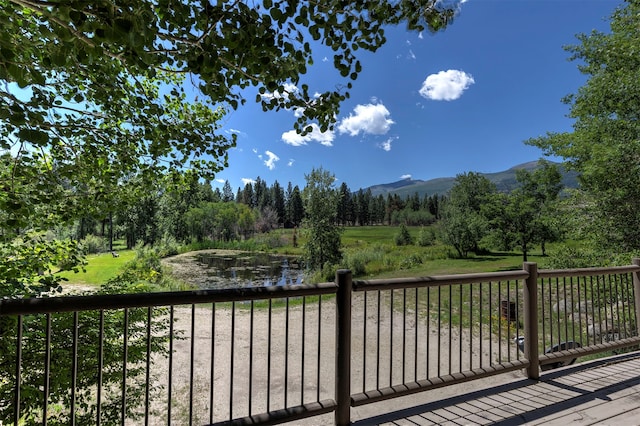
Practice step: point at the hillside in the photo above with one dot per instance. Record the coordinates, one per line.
(505, 181)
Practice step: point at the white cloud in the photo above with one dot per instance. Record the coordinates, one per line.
(235, 132)
(386, 145)
(420, 36)
(446, 85)
(371, 118)
(270, 162)
(291, 161)
(247, 180)
(220, 180)
(288, 88)
(411, 55)
(295, 139)
(407, 176)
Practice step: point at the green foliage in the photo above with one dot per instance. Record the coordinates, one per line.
(168, 246)
(95, 96)
(61, 352)
(426, 237)
(463, 231)
(526, 215)
(29, 264)
(605, 141)
(411, 261)
(403, 237)
(463, 225)
(219, 221)
(93, 244)
(322, 234)
(357, 260)
(410, 217)
(566, 257)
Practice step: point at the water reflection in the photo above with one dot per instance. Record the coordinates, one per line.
(249, 270)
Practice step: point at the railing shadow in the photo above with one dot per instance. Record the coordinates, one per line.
(575, 396)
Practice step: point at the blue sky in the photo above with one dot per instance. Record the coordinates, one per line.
(428, 106)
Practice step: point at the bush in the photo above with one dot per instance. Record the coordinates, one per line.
(411, 261)
(570, 257)
(426, 237)
(93, 244)
(326, 274)
(356, 264)
(168, 246)
(403, 237)
(357, 260)
(270, 240)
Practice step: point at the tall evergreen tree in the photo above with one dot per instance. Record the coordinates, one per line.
(344, 201)
(277, 195)
(296, 207)
(227, 192)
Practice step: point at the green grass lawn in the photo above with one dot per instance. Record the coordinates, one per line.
(413, 260)
(99, 268)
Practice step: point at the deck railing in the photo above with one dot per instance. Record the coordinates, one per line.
(265, 355)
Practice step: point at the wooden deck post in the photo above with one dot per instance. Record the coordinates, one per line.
(636, 293)
(343, 347)
(531, 350)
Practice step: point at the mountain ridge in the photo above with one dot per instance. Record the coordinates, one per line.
(505, 181)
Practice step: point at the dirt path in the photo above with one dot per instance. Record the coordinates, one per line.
(304, 352)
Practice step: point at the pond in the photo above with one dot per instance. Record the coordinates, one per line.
(210, 269)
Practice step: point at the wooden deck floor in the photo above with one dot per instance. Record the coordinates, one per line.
(601, 392)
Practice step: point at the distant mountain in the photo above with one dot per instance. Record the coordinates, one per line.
(505, 181)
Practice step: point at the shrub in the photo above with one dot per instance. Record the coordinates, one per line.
(168, 246)
(426, 237)
(270, 240)
(356, 264)
(357, 260)
(93, 244)
(326, 274)
(411, 261)
(403, 237)
(568, 257)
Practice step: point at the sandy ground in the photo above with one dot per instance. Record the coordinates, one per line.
(297, 358)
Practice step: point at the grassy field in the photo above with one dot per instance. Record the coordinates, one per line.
(370, 251)
(99, 268)
(413, 260)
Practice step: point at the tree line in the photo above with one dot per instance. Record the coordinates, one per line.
(195, 211)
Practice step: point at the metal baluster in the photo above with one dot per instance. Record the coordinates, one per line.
(192, 361)
(364, 344)
(250, 393)
(170, 373)
(74, 367)
(47, 372)
(319, 346)
(212, 376)
(148, 368)
(379, 320)
(125, 355)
